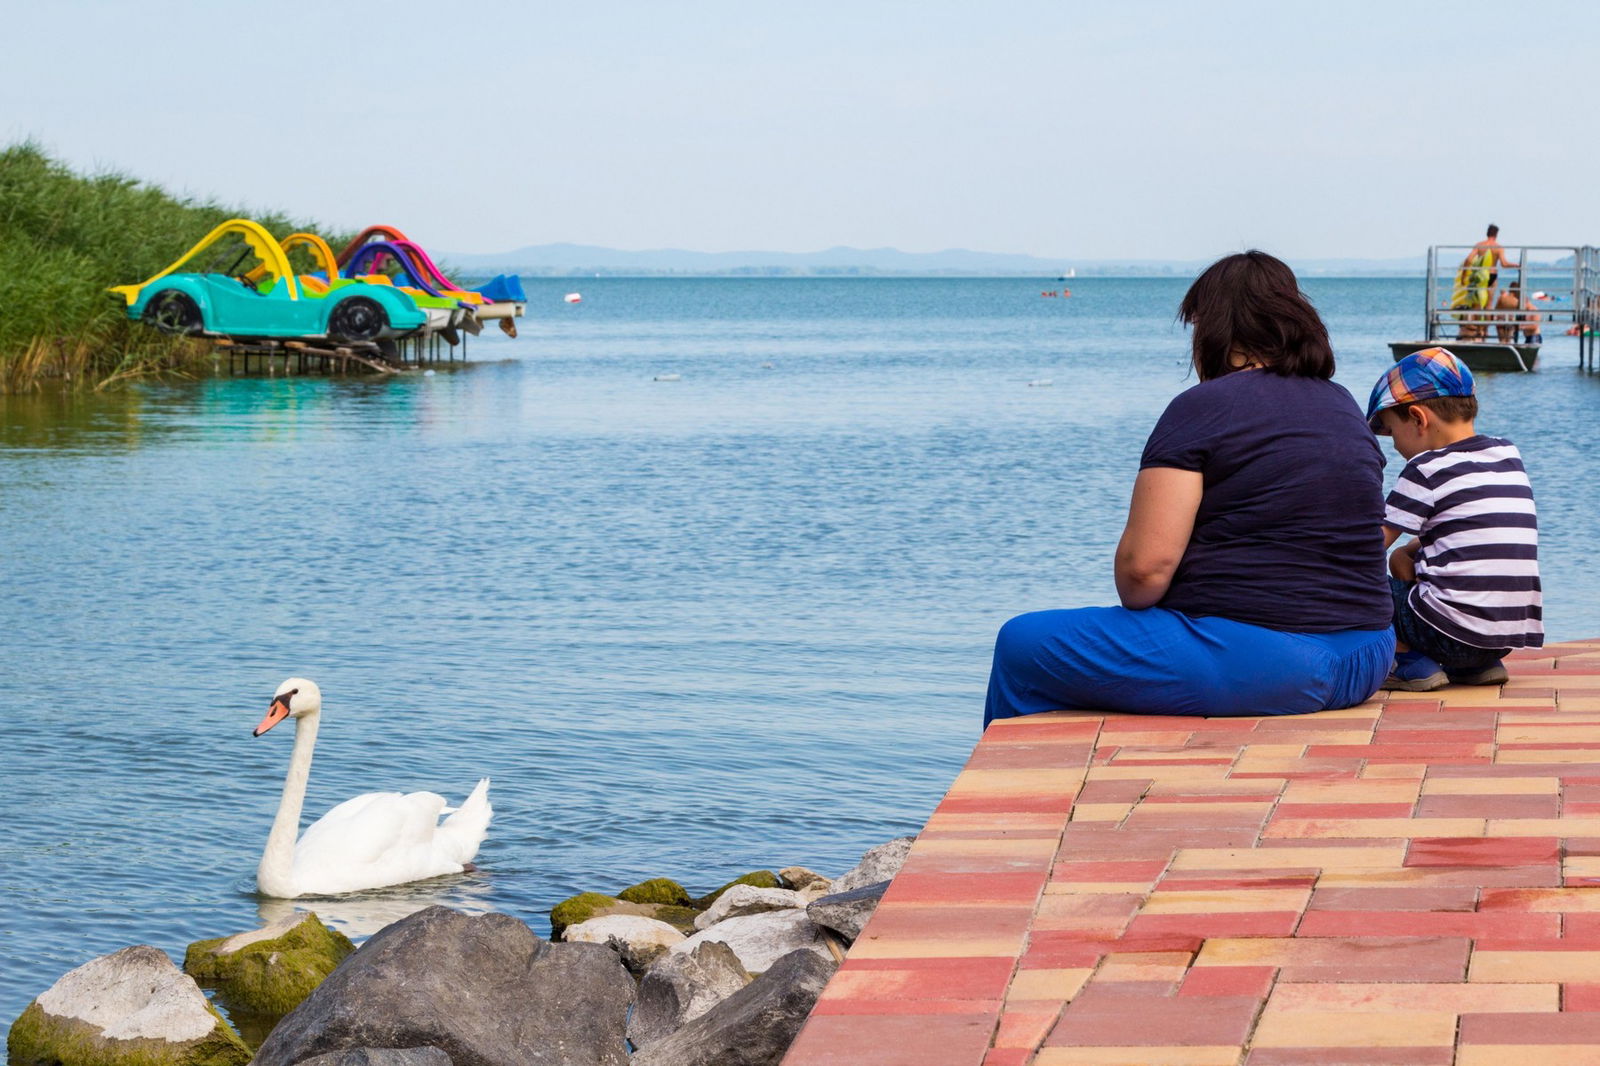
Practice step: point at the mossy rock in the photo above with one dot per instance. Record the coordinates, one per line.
(270, 970)
(758, 878)
(579, 908)
(656, 890)
(680, 918)
(587, 905)
(38, 1038)
(78, 1020)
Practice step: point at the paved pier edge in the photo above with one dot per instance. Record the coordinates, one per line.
(1414, 880)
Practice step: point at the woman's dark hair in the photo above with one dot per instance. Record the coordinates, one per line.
(1251, 303)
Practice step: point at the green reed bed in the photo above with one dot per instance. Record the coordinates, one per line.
(65, 238)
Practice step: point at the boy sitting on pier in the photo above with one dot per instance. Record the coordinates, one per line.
(1466, 590)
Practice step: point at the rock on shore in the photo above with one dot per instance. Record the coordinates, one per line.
(759, 940)
(268, 970)
(133, 1005)
(638, 941)
(846, 913)
(485, 989)
(681, 987)
(878, 864)
(381, 1056)
(742, 900)
(752, 1027)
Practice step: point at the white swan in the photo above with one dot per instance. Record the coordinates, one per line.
(373, 840)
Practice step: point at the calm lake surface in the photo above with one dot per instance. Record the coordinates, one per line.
(691, 628)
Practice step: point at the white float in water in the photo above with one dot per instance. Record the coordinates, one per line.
(766, 366)
(573, 297)
(1040, 383)
(668, 377)
(428, 373)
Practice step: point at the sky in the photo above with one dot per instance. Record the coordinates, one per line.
(1136, 129)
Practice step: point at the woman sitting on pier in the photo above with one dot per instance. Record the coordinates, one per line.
(1251, 570)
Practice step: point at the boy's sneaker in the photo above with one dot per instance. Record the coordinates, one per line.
(1493, 674)
(1415, 672)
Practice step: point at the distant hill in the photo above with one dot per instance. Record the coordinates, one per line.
(559, 260)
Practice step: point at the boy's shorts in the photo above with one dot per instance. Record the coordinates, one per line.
(1447, 651)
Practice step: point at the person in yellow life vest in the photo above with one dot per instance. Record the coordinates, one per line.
(1475, 283)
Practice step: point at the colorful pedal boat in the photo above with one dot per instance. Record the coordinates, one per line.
(246, 288)
(502, 299)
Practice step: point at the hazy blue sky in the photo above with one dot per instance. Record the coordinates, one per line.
(1057, 128)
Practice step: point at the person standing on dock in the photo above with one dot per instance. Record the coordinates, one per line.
(1251, 567)
(1475, 282)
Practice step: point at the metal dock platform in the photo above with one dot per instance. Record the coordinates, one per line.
(1566, 279)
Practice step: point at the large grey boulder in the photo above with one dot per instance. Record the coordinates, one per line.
(681, 987)
(132, 1006)
(759, 940)
(846, 913)
(741, 900)
(752, 1027)
(485, 989)
(637, 940)
(380, 1056)
(878, 864)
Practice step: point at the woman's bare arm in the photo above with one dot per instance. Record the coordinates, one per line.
(1160, 521)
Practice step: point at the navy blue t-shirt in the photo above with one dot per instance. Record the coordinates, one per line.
(1289, 532)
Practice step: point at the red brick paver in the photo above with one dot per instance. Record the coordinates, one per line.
(1415, 880)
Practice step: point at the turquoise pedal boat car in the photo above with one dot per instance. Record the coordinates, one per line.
(238, 282)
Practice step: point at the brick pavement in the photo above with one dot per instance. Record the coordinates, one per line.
(1412, 881)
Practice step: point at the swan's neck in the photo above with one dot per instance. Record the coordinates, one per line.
(275, 874)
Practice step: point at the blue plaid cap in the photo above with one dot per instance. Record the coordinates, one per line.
(1419, 376)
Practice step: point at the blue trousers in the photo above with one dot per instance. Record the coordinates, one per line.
(1158, 661)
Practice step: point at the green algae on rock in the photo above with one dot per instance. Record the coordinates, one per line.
(758, 878)
(579, 908)
(587, 905)
(680, 918)
(129, 1008)
(268, 970)
(656, 890)
(660, 898)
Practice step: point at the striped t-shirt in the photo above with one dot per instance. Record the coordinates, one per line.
(1471, 507)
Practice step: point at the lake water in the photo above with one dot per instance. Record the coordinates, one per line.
(690, 628)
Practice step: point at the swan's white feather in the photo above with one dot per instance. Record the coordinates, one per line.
(383, 838)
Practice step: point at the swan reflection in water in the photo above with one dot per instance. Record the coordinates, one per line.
(359, 916)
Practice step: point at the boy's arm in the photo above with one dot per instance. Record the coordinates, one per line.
(1403, 560)
(1390, 535)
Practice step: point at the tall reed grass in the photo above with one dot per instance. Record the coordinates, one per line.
(66, 237)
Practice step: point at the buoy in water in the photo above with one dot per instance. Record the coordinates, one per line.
(1040, 383)
(766, 366)
(573, 297)
(668, 377)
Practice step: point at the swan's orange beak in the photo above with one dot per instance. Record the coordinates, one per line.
(275, 714)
